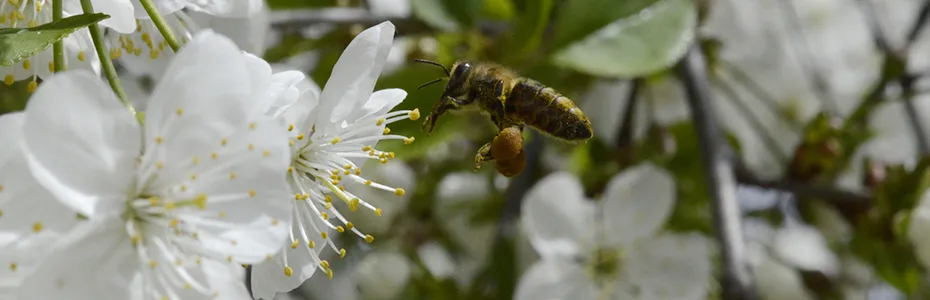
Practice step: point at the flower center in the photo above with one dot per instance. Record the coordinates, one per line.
(605, 262)
(323, 162)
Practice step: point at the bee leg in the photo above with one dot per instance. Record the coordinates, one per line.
(484, 155)
(440, 108)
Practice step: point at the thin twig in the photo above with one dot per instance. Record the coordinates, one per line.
(756, 90)
(625, 134)
(718, 173)
(915, 120)
(754, 120)
(809, 66)
(919, 23)
(878, 35)
(803, 189)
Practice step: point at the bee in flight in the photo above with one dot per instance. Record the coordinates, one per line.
(510, 101)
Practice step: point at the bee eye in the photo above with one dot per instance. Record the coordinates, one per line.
(461, 70)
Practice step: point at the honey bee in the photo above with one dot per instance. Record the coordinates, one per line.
(510, 100)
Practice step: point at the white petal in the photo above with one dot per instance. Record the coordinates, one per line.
(248, 32)
(274, 92)
(381, 102)
(457, 190)
(204, 94)
(557, 217)
(122, 13)
(95, 261)
(553, 279)
(775, 280)
(437, 260)
(354, 75)
(637, 203)
(77, 45)
(81, 142)
(25, 254)
(804, 247)
(268, 277)
(670, 266)
(919, 229)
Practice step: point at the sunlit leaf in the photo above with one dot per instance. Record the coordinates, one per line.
(578, 18)
(647, 42)
(434, 13)
(19, 43)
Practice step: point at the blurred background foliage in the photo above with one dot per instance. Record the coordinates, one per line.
(453, 236)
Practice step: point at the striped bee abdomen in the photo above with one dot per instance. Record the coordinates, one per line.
(547, 110)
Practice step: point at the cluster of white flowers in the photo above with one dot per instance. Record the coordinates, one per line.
(232, 165)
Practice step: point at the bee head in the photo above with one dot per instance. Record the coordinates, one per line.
(458, 78)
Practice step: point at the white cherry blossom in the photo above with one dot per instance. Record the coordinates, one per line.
(30, 217)
(614, 248)
(332, 132)
(174, 207)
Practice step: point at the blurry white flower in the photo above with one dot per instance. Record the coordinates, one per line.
(247, 32)
(383, 275)
(78, 48)
(437, 260)
(612, 249)
(390, 8)
(30, 217)
(918, 231)
(180, 202)
(330, 139)
(455, 192)
(805, 248)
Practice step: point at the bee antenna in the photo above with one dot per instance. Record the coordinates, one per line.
(435, 64)
(428, 83)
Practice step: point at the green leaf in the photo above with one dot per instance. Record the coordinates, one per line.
(19, 43)
(498, 9)
(579, 18)
(464, 11)
(639, 45)
(292, 4)
(527, 35)
(434, 13)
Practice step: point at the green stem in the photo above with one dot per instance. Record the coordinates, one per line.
(105, 63)
(58, 49)
(161, 24)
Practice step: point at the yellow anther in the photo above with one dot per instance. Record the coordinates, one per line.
(379, 122)
(183, 187)
(290, 142)
(367, 182)
(179, 112)
(187, 286)
(223, 142)
(32, 23)
(335, 140)
(159, 165)
(229, 258)
(387, 130)
(37, 227)
(13, 267)
(177, 262)
(288, 271)
(159, 140)
(366, 148)
(153, 264)
(137, 52)
(154, 54)
(252, 193)
(266, 153)
(323, 234)
(135, 239)
(169, 206)
(38, 6)
(213, 155)
(300, 137)
(342, 253)
(340, 229)
(324, 215)
(8, 79)
(193, 177)
(251, 146)
(294, 244)
(267, 257)
(415, 114)
(378, 211)
(173, 223)
(153, 200)
(369, 238)
(290, 169)
(201, 201)
(358, 171)
(409, 140)
(383, 160)
(27, 64)
(329, 273)
(349, 225)
(290, 127)
(328, 205)
(51, 66)
(311, 244)
(399, 191)
(32, 86)
(222, 214)
(232, 175)
(353, 204)
(146, 37)
(195, 160)
(274, 222)
(342, 188)
(328, 199)
(390, 154)
(252, 125)
(81, 56)
(297, 196)
(324, 264)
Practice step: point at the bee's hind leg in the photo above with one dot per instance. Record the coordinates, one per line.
(484, 155)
